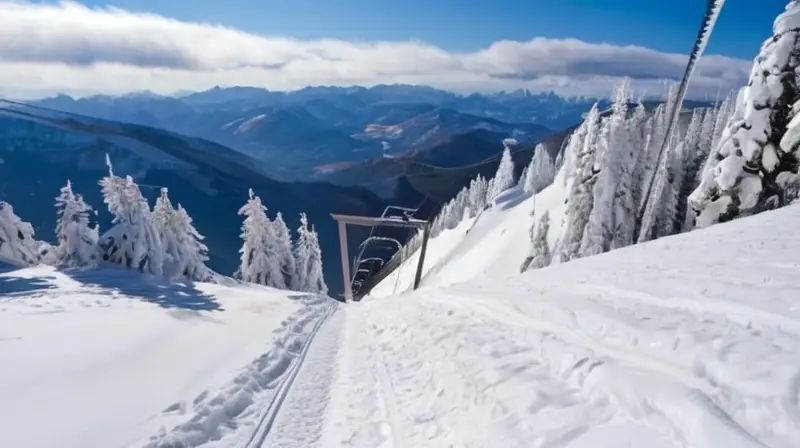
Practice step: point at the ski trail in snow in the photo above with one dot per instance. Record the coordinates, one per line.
(243, 411)
(682, 399)
(384, 389)
(734, 397)
(457, 400)
(739, 313)
(271, 412)
(361, 396)
(299, 421)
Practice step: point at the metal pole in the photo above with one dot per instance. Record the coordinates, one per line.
(425, 234)
(348, 289)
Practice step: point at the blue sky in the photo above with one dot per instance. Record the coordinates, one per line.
(466, 25)
(572, 47)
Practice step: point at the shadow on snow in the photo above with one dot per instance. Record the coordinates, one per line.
(175, 294)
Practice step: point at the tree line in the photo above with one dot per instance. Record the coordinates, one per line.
(163, 240)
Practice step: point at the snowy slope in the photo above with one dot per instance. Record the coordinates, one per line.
(687, 341)
(494, 244)
(107, 357)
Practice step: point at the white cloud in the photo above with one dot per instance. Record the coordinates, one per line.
(68, 47)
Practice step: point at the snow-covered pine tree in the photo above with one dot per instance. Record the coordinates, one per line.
(314, 279)
(613, 162)
(283, 239)
(540, 172)
(540, 248)
(193, 253)
(759, 155)
(504, 179)
(580, 198)
(132, 241)
(259, 263)
(478, 191)
(77, 241)
(724, 113)
(302, 256)
(628, 191)
(645, 164)
(162, 217)
(184, 252)
(17, 243)
(696, 150)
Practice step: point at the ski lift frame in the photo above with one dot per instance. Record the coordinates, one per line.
(366, 221)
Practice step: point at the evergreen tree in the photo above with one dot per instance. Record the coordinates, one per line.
(17, 243)
(132, 240)
(192, 254)
(628, 191)
(613, 164)
(478, 191)
(759, 155)
(504, 179)
(580, 198)
(540, 248)
(77, 241)
(163, 213)
(540, 172)
(259, 263)
(184, 252)
(284, 249)
(302, 256)
(315, 281)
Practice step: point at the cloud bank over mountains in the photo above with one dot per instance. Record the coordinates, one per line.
(68, 47)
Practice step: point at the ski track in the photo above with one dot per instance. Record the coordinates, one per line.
(718, 389)
(298, 423)
(356, 396)
(223, 419)
(441, 403)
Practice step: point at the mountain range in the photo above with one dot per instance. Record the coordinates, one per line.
(309, 133)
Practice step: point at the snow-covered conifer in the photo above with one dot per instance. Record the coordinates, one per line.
(540, 248)
(613, 167)
(302, 256)
(477, 195)
(193, 253)
(755, 152)
(17, 243)
(132, 241)
(284, 253)
(315, 280)
(77, 240)
(540, 172)
(184, 251)
(259, 263)
(580, 198)
(504, 179)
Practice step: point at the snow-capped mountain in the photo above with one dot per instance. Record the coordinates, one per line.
(296, 132)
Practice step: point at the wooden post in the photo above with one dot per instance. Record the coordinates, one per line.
(426, 230)
(348, 290)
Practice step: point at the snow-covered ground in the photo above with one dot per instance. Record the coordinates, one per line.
(106, 357)
(688, 341)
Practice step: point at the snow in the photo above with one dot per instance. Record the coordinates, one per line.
(108, 357)
(690, 340)
(496, 242)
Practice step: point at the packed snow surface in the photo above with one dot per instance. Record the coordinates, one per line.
(106, 357)
(687, 341)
